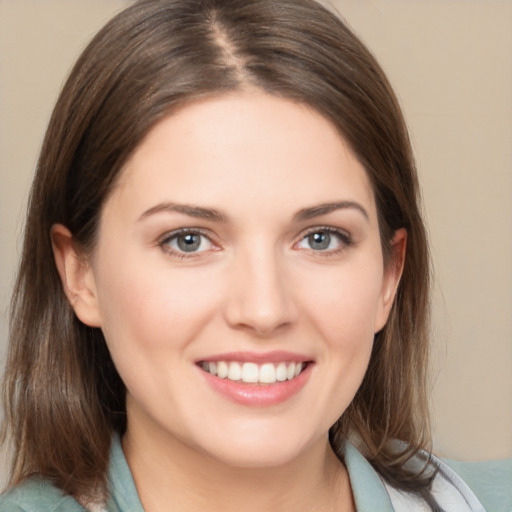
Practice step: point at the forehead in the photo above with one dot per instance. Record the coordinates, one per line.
(243, 149)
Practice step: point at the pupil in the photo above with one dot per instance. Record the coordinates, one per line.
(189, 243)
(320, 240)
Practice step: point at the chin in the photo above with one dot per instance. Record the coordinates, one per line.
(256, 457)
(259, 447)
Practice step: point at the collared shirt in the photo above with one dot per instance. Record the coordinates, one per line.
(491, 489)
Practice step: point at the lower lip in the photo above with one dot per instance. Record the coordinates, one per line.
(262, 395)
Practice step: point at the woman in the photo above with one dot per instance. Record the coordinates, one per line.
(224, 283)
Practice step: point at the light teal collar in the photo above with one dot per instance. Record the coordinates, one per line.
(123, 493)
(369, 492)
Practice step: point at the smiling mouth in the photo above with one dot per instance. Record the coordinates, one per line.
(253, 373)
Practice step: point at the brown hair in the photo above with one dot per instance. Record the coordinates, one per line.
(63, 396)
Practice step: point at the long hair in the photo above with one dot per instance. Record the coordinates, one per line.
(62, 394)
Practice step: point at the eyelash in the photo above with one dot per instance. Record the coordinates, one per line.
(345, 241)
(174, 235)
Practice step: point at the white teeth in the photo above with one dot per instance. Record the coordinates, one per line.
(290, 372)
(222, 369)
(267, 373)
(252, 373)
(234, 371)
(281, 372)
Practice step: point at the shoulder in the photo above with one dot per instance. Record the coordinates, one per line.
(490, 481)
(37, 495)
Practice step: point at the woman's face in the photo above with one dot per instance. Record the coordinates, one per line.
(238, 279)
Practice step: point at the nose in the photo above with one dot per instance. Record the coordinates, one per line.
(260, 298)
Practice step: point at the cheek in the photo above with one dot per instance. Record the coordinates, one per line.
(150, 323)
(153, 310)
(343, 307)
(345, 303)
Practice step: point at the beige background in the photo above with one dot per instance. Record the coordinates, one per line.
(450, 61)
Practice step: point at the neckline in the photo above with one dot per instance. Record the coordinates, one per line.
(369, 492)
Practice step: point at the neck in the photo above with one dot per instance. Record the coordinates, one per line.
(169, 472)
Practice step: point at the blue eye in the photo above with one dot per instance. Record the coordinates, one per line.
(324, 240)
(187, 242)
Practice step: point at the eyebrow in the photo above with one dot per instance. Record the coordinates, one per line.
(325, 208)
(217, 216)
(186, 209)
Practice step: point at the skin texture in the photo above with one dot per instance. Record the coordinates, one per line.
(255, 284)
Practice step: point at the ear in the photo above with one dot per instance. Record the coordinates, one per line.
(392, 274)
(76, 275)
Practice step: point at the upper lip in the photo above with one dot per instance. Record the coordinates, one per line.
(275, 356)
